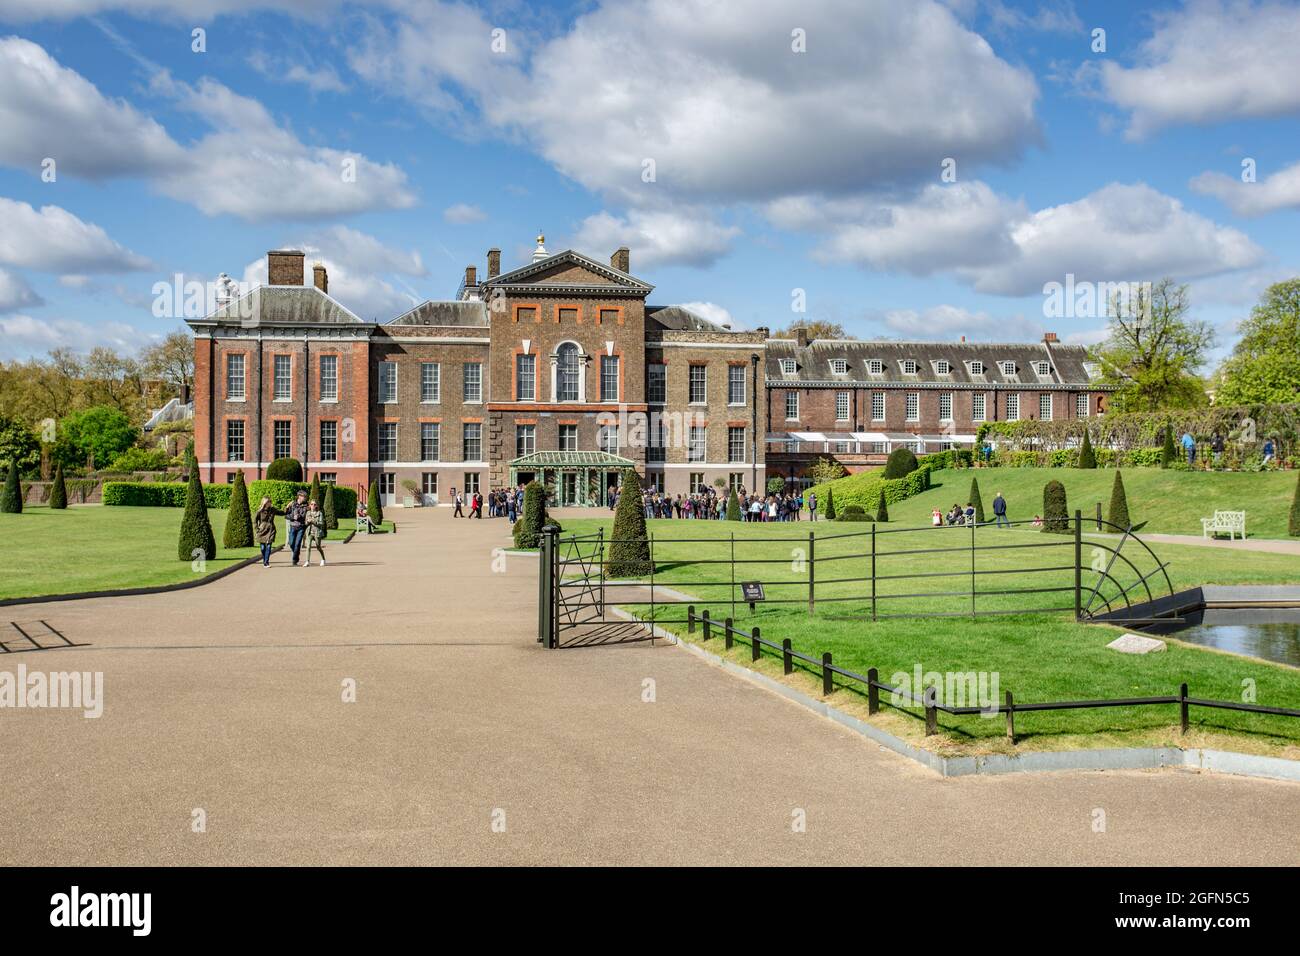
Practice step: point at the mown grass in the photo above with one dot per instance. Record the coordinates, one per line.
(1038, 656)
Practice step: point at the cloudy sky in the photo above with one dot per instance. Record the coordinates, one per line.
(917, 168)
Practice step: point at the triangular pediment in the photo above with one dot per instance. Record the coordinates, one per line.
(571, 269)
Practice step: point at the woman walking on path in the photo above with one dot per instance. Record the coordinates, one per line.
(264, 529)
(315, 533)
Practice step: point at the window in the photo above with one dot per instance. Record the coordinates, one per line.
(977, 368)
(876, 367)
(430, 382)
(698, 382)
(388, 441)
(877, 406)
(1008, 368)
(473, 382)
(697, 445)
(735, 385)
(328, 477)
(472, 438)
(430, 441)
(526, 314)
(1045, 406)
(1013, 408)
(329, 441)
(283, 378)
(235, 440)
(654, 481)
(945, 407)
(607, 439)
(735, 481)
(697, 482)
(230, 477)
(841, 406)
(568, 438)
(329, 378)
(387, 483)
(909, 366)
(913, 407)
(569, 316)
(525, 378)
(282, 433)
(655, 451)
(387, 382)
(471, 482)
(787, 366)
(1081, 408)
(525, 440)
(429, 484)
(609, 378)
(736, 444)
(1043, 368)
(235, 379)
(656, 383)
(792, 406)
(942, 367)
(608, 315)
(566, 371)
(977, 408)
(839, 367)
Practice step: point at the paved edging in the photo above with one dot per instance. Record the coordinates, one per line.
(1121, 758)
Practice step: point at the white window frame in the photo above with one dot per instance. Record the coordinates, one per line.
(430, 385)
(605, 362)
(910, 367)
(329, 455)
(477, 382)
(1083, 405)
(690, 384)
(1045, 404)
(876, 367)
(697, 448)
(381, 441)
(913, 407)
(732, 381)
(525, 439)
(276, 381)
(387, 383)
(243, 432)
(789, 397)
(735, 457)
(231, 395)
(839, 367)
(1042, 369)
(465, 440)
(943, 367)
(522, 359)
(431, 431)
(1007, 368)
(977, 367)
(979, 407)
(878, 401)
(561, 434)
(1013, 407)
(656, 392)
(788, 366)
(328, 385)
(275, 439)
(945, 398)
(843, 406)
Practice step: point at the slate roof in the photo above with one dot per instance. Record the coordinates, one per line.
(285, 304)
(675, 318)
(468, 313)
(813, 363)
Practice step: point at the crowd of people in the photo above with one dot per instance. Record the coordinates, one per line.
(711, 505)
(305, 523)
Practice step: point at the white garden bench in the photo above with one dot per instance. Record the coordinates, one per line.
(1230, 522)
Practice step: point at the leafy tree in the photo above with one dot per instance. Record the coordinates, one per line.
(825, 470)
(629, 546)
(196, 538)
(331, 511)
(901, 463)
(1264, 367)
(284, 469)
(141, 459)
(775, 485)
(1118, 514)
(97, 435)
(733, 506)
(1294, 526)
(373, 505)
(58, 490)
(829, 508)
(18, 443)
(171, 360)
(1152, 350)
(239, 519)
(882, 510)
(976, 500)
(1087, 457)
(11, 499)
(816, 329)
(1056, 515)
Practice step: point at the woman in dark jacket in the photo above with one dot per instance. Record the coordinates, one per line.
(264, 528)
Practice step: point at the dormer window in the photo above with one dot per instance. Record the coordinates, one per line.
(1008, 368)
(942, 367)
(1043, 369)
(787, 366)
(1091, 369)
(839, 367)
(977, 368)
(909, 366)
(876, 367)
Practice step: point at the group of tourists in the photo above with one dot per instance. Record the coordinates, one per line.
(957, 515)
(1217, 446)
(710, 505)
(305, 523)
(500, 503)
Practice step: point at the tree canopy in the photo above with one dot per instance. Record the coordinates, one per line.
(1264, 367)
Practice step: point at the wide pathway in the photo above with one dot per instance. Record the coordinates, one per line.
(469, 743)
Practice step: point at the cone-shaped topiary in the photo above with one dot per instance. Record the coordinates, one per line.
(882, 510)
(1294, 528)
(629, 547)
(59, 490)
(284, 469)
(11, 499)
(239, 520)
(528, 528)
(901, 463)
(829, 510)
(373, 506)
(331, 511)
(1056, 515)
(1168, 454)
(196, 538)
(976, 500)
(315, 494)
(1118, 515)
(733, 506)
(1087, 457)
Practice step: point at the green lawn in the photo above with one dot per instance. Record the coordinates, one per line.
(1039, 657)
(94, 548)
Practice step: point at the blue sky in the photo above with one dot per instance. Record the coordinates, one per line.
(796, 147)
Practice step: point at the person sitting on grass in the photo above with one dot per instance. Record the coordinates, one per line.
(936, 518)
(1038, 521)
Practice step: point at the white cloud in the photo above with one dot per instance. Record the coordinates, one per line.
(22, 335)
(1278, 191)
(462, 214)
(319, 79)
(54, 240)
(1210, 62)
(950, 322)
(22, 11)
(16, 294)
(683, 236)
(1050, 16)
(363, 252)
(712, 312)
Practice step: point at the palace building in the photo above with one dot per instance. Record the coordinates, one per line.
(560, 371)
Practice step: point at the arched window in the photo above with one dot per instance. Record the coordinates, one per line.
(567, 368)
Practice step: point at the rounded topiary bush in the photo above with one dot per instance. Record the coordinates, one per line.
(528, 528)
(284, 469)
(59, 490)
(1118, 514)
(856, 516)
(854, 509)
(1056, 515)
(239, 520)
(902, 462)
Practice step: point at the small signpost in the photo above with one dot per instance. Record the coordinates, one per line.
(752, 591)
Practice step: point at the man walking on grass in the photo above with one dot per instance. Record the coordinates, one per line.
(1000, 511)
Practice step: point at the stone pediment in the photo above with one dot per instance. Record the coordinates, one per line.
(571, 270)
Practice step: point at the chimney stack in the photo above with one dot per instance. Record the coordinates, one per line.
(764, 329)
(471, 277)
(621, 259)
(801, 337)
(284, 267)
(320, 278)
(494, 263)
(1049, 336)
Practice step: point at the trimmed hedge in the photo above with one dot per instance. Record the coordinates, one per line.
(283, 492)
(1056, 514)
(852, 510)
(864, 488)
(171, 494)
(284, 469)
(901, 463)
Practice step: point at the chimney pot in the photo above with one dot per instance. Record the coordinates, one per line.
(320, 277)
(471, 277)
(621, 259)
(284, 267)
(494, 263)
(1049, 336)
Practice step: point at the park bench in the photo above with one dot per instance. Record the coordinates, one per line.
(363, 523)
(1230, 522)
